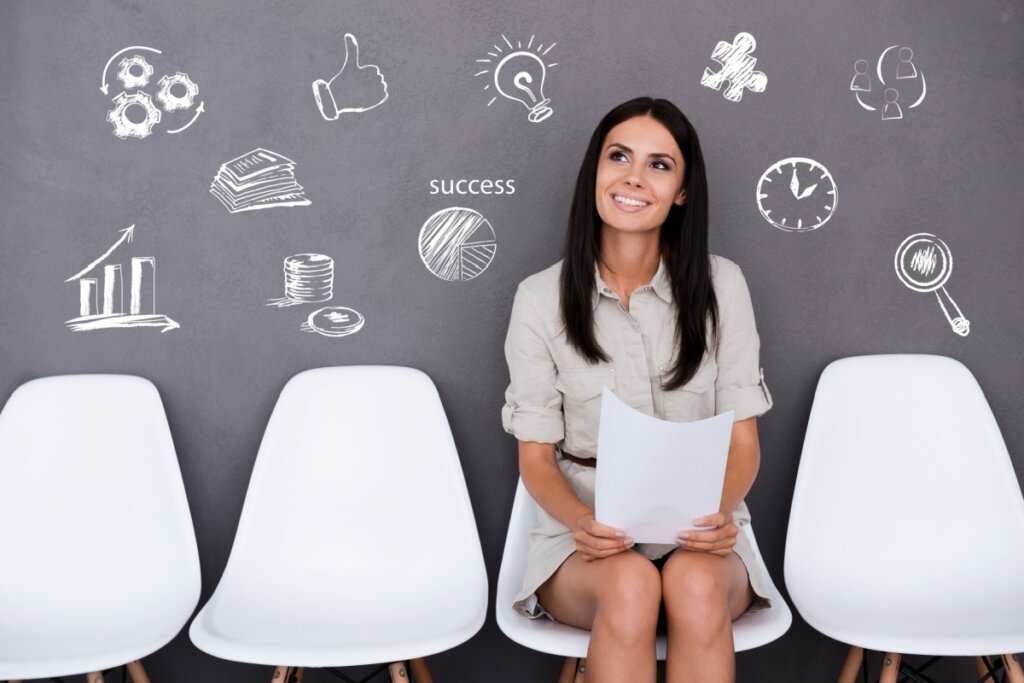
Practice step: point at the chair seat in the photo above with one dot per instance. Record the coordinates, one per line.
(344, 627)
(544, 635)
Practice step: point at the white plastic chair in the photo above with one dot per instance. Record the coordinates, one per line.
(357, 544)
(98, 559)
(907, 528)
(544, 635)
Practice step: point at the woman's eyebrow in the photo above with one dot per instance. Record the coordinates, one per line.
(655, 155)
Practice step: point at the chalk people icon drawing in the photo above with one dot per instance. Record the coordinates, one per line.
(309, 278)
(518, 75)
(355, 88)
(737, 68)
(924, 264)
(111, 313)
(797, 195)
(457, 244)
(258, 180)
(906, 81)
(135, 114)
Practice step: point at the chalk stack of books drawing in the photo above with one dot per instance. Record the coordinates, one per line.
(260, 179)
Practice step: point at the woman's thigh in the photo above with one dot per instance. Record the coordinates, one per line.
(574, 592)
(689, 576)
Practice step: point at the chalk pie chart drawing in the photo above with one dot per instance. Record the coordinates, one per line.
(924, 264)
(796, 195)
(457, 244)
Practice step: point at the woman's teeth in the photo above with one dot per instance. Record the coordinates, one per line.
(628, 202)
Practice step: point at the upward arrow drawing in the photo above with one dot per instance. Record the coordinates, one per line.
(126, 235)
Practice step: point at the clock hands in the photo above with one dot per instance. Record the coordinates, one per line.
(794, 187)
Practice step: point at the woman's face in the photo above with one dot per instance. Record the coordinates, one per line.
(639, 176)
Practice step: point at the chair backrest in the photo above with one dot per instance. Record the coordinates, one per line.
(358, 482)
(93, 515)
(905, 491)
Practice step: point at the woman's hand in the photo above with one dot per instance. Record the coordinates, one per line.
(718, 541)
(595, 540)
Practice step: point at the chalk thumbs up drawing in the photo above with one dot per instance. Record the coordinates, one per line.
(356, 88)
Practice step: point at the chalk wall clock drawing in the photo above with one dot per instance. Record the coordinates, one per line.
(737, 68)
(905, 83)
(258, 180)
(924, 264)
(308, 278)
(135, 113)
(517, 73)
(355, 88)
(109, 312)
(797, 195)
(457, 244)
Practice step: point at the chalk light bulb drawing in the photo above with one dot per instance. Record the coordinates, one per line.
(519, 76)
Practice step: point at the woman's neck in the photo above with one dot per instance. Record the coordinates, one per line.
(628, 261)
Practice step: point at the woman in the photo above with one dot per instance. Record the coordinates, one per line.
(638, 305)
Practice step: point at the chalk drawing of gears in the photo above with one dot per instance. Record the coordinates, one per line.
(135, 72)
(172, 102)
(125, 127)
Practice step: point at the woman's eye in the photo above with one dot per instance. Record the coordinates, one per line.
(660, 165)
(617, 156)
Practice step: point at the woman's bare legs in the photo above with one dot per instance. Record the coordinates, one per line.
(618, 599)
(703, 593)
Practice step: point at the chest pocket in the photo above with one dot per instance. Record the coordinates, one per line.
(581, 405)
(695, 400)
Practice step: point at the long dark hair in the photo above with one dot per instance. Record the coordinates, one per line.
(684, 246)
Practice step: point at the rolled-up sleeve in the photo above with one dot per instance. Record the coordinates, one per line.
(740, 384)
(533, 406)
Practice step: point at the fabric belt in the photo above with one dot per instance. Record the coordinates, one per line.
(586, 462)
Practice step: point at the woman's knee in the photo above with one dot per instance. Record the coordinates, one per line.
(695, 587)
(629, 592)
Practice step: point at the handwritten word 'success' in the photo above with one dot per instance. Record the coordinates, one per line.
(464, 186)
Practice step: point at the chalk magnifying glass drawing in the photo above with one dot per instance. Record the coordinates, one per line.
(924, 264)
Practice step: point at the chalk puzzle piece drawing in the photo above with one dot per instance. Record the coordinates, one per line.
(111, 314)
(907, 77)
(134, 114)
(355, 88)
(519, 76)
(803, 204)
(924, 264)
(457, 244)
(737, 68)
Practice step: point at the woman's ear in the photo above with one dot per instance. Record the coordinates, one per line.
(681, 198)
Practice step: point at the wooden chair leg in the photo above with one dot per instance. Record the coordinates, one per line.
(890, 668)
(288, 674)
(398, 673)
(420, 672)
(981, 665)
(94, 677)
(851, 667)
(568, 670)
(581, 670)
(1013, 670)
(137, 673)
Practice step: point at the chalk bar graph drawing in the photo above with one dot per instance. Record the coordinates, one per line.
(457, 244)
(110, 313)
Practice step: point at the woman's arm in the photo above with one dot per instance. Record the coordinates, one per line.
(740, 471)
(552, 491)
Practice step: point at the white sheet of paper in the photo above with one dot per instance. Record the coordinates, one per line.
(656, 477)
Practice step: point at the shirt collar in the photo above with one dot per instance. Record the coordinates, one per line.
(661, 283)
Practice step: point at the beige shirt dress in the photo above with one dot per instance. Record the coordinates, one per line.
(554, 395)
